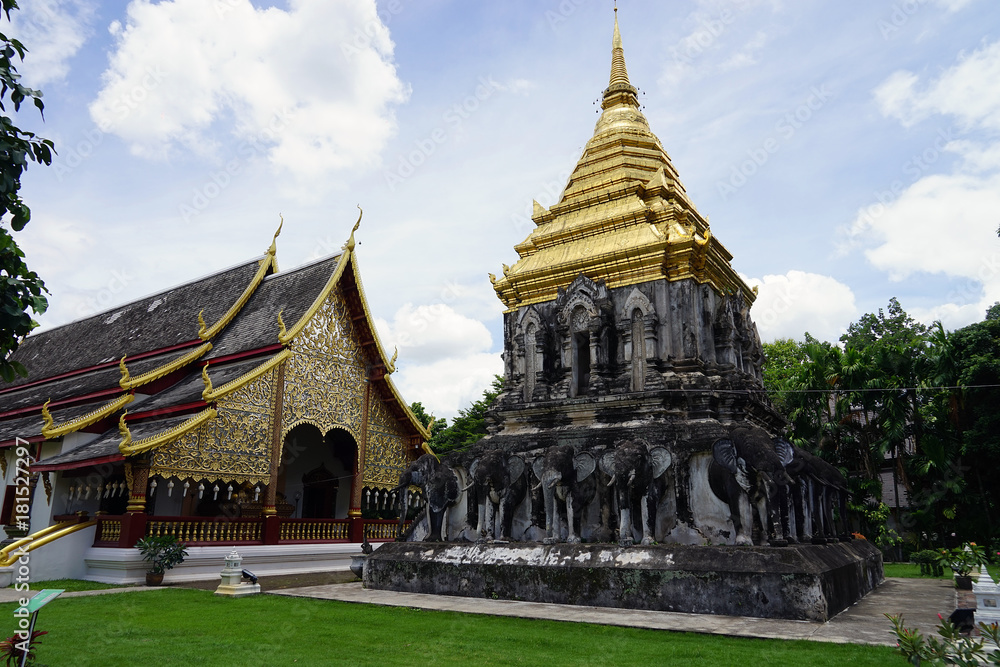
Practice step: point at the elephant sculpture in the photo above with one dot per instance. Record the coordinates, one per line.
(821, 486)
(636, 473)
(499, 483)
(565, 478)
(749, 463)
(440, 488)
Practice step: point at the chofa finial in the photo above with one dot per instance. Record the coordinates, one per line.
(350, 242)
(274, 240)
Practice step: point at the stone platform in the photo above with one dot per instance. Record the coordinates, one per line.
(801, 582)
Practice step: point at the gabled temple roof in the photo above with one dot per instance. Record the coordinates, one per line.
(151, 324)
(163, 387)
(624, 216)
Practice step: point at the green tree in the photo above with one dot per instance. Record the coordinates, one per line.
(470, 425)
(782, 359)
(435, 425)
(21, 290)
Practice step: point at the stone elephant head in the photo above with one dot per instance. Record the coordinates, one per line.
(498, 484)
(636, 471)
(751, 463)
(440, 488)
(566, 478)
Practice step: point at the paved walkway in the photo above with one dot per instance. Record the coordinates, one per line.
(920, 600)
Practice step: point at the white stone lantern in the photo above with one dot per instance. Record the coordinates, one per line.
(232, 578)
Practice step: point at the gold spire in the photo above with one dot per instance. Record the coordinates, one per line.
(623, 216)
(620, 91)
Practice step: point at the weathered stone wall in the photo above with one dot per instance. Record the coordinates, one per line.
(804, 582)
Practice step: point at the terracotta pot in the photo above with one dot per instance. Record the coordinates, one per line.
(963, 583)
(154, 578)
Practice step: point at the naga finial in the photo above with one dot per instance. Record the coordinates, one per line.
(506, 269)
(282, 331)
(392, 362)
(272, 251)
(47, 416)
(124, 432)
(754, 290)
(208, 383)
(202, 327)
(126, 376)
(350, 241)
(493, 279)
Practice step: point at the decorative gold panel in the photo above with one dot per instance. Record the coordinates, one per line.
(235, 446)
(325, 377)
(385, 456)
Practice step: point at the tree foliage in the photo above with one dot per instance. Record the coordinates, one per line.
(910, 400)
(470, 425)
(21, 289)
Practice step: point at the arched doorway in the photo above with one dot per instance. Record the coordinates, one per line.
(317, 472)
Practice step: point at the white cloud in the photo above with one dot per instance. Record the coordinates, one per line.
(964, 91)
(444, 358)
(945, 224)
(446, 386)
(790, 305)
(52, 31)
(430, 333)
(313, 87)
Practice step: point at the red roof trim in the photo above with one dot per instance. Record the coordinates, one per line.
(31, 440)
(81, 371)
(66, 402)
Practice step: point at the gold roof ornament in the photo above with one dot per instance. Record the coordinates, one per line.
(124, 432)
(350, 241)
(47, 416)
(623, 218)
(282, 331)
(125, 374)
(273, 250)
(207, 381)
(391, 368)
(50, 430)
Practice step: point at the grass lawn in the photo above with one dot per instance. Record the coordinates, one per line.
(912, 571)
(191, 627)
(72, 585)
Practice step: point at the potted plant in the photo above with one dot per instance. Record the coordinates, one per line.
(162, 553)
(962, 561)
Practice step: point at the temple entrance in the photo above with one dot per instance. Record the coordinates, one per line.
(317, 472)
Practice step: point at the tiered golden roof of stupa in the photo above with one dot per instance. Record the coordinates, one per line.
(623, 218)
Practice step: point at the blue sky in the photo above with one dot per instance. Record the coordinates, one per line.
(845, 153)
